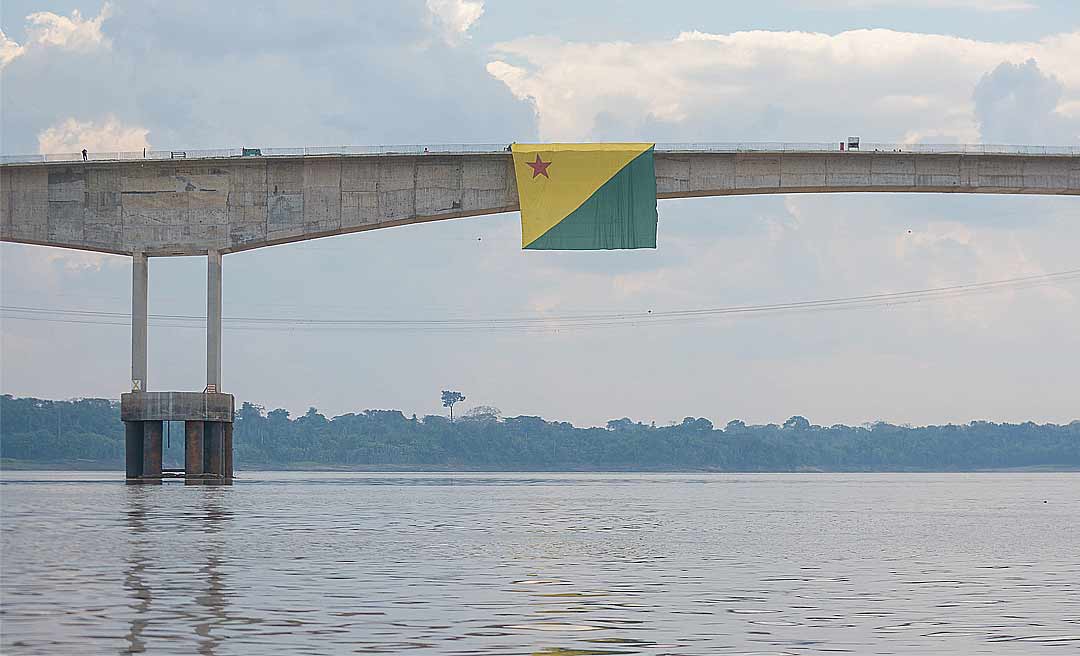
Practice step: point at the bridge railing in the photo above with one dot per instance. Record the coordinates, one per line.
(802, 147)
(414, 149)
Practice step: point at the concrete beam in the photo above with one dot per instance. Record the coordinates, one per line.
(225, 205)
(176, 406)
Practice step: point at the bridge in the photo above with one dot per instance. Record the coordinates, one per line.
(173, 203)
(197, 202)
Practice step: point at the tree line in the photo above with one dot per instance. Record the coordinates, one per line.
(89, 433)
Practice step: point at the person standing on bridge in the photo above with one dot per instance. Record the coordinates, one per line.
(84, 154)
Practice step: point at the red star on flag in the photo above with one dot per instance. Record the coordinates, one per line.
(540, 167)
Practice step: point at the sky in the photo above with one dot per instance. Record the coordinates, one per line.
(201, 74)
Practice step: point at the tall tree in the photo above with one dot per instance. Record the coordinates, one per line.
(449, 398)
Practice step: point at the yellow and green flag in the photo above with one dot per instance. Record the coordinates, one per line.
(586, 196)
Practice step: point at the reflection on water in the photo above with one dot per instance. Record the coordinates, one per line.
(213, 601)
(541, 564)
(134, 580)
(208, 585)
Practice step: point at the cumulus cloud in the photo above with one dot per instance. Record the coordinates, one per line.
(44, 29)
(68, 32)
(455, 17)
(886, 84)
(71, 136)
(9, 50)
(1016, 103)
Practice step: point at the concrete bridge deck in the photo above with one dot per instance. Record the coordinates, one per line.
(224, 202)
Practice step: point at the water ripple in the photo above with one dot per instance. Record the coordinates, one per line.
(556, 565)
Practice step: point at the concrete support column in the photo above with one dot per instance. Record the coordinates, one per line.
(151, 460)
(133, 448)
(193, 449)
(139, 280)
(228, 452)
(213, 320)
(214, 456)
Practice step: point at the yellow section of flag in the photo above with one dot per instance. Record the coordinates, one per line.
(553, 180)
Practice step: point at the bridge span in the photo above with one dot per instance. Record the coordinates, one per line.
(212, 203)
(192, 205)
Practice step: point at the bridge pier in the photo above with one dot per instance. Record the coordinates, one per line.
(207, 418)
(207, 415)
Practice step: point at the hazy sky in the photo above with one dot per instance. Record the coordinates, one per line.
(124, 75)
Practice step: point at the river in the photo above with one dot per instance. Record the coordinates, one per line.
(519, 563)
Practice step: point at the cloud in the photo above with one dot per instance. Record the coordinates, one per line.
(71, 135)
(68, 32)
(9, 50)
(1016, 103)
(884, 84)
(455, 17)
(976, 5)
(44, 29)
(210, 77)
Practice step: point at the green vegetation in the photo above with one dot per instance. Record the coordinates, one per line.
(449, 398)
(88, 433)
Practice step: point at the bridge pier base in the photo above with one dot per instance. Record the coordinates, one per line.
(152, 451)
(194, 447)
(207, 421)
(133, 449)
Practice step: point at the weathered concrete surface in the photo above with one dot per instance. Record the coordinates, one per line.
(194, 432)
(139, 320)
(214, 449)
(213, 321)
(176, 406)
(152, 451)
(190, 207)
(133, 448)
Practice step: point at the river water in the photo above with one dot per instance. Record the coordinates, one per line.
(552, 564)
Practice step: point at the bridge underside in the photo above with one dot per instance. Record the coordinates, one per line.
(192, 207)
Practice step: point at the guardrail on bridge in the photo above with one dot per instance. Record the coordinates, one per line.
(748, 147)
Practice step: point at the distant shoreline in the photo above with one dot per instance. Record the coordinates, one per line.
(88, 435)
(19, 465)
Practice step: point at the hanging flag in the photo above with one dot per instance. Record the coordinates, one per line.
(586, 196)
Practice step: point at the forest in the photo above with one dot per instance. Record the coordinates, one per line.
(88, 433)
